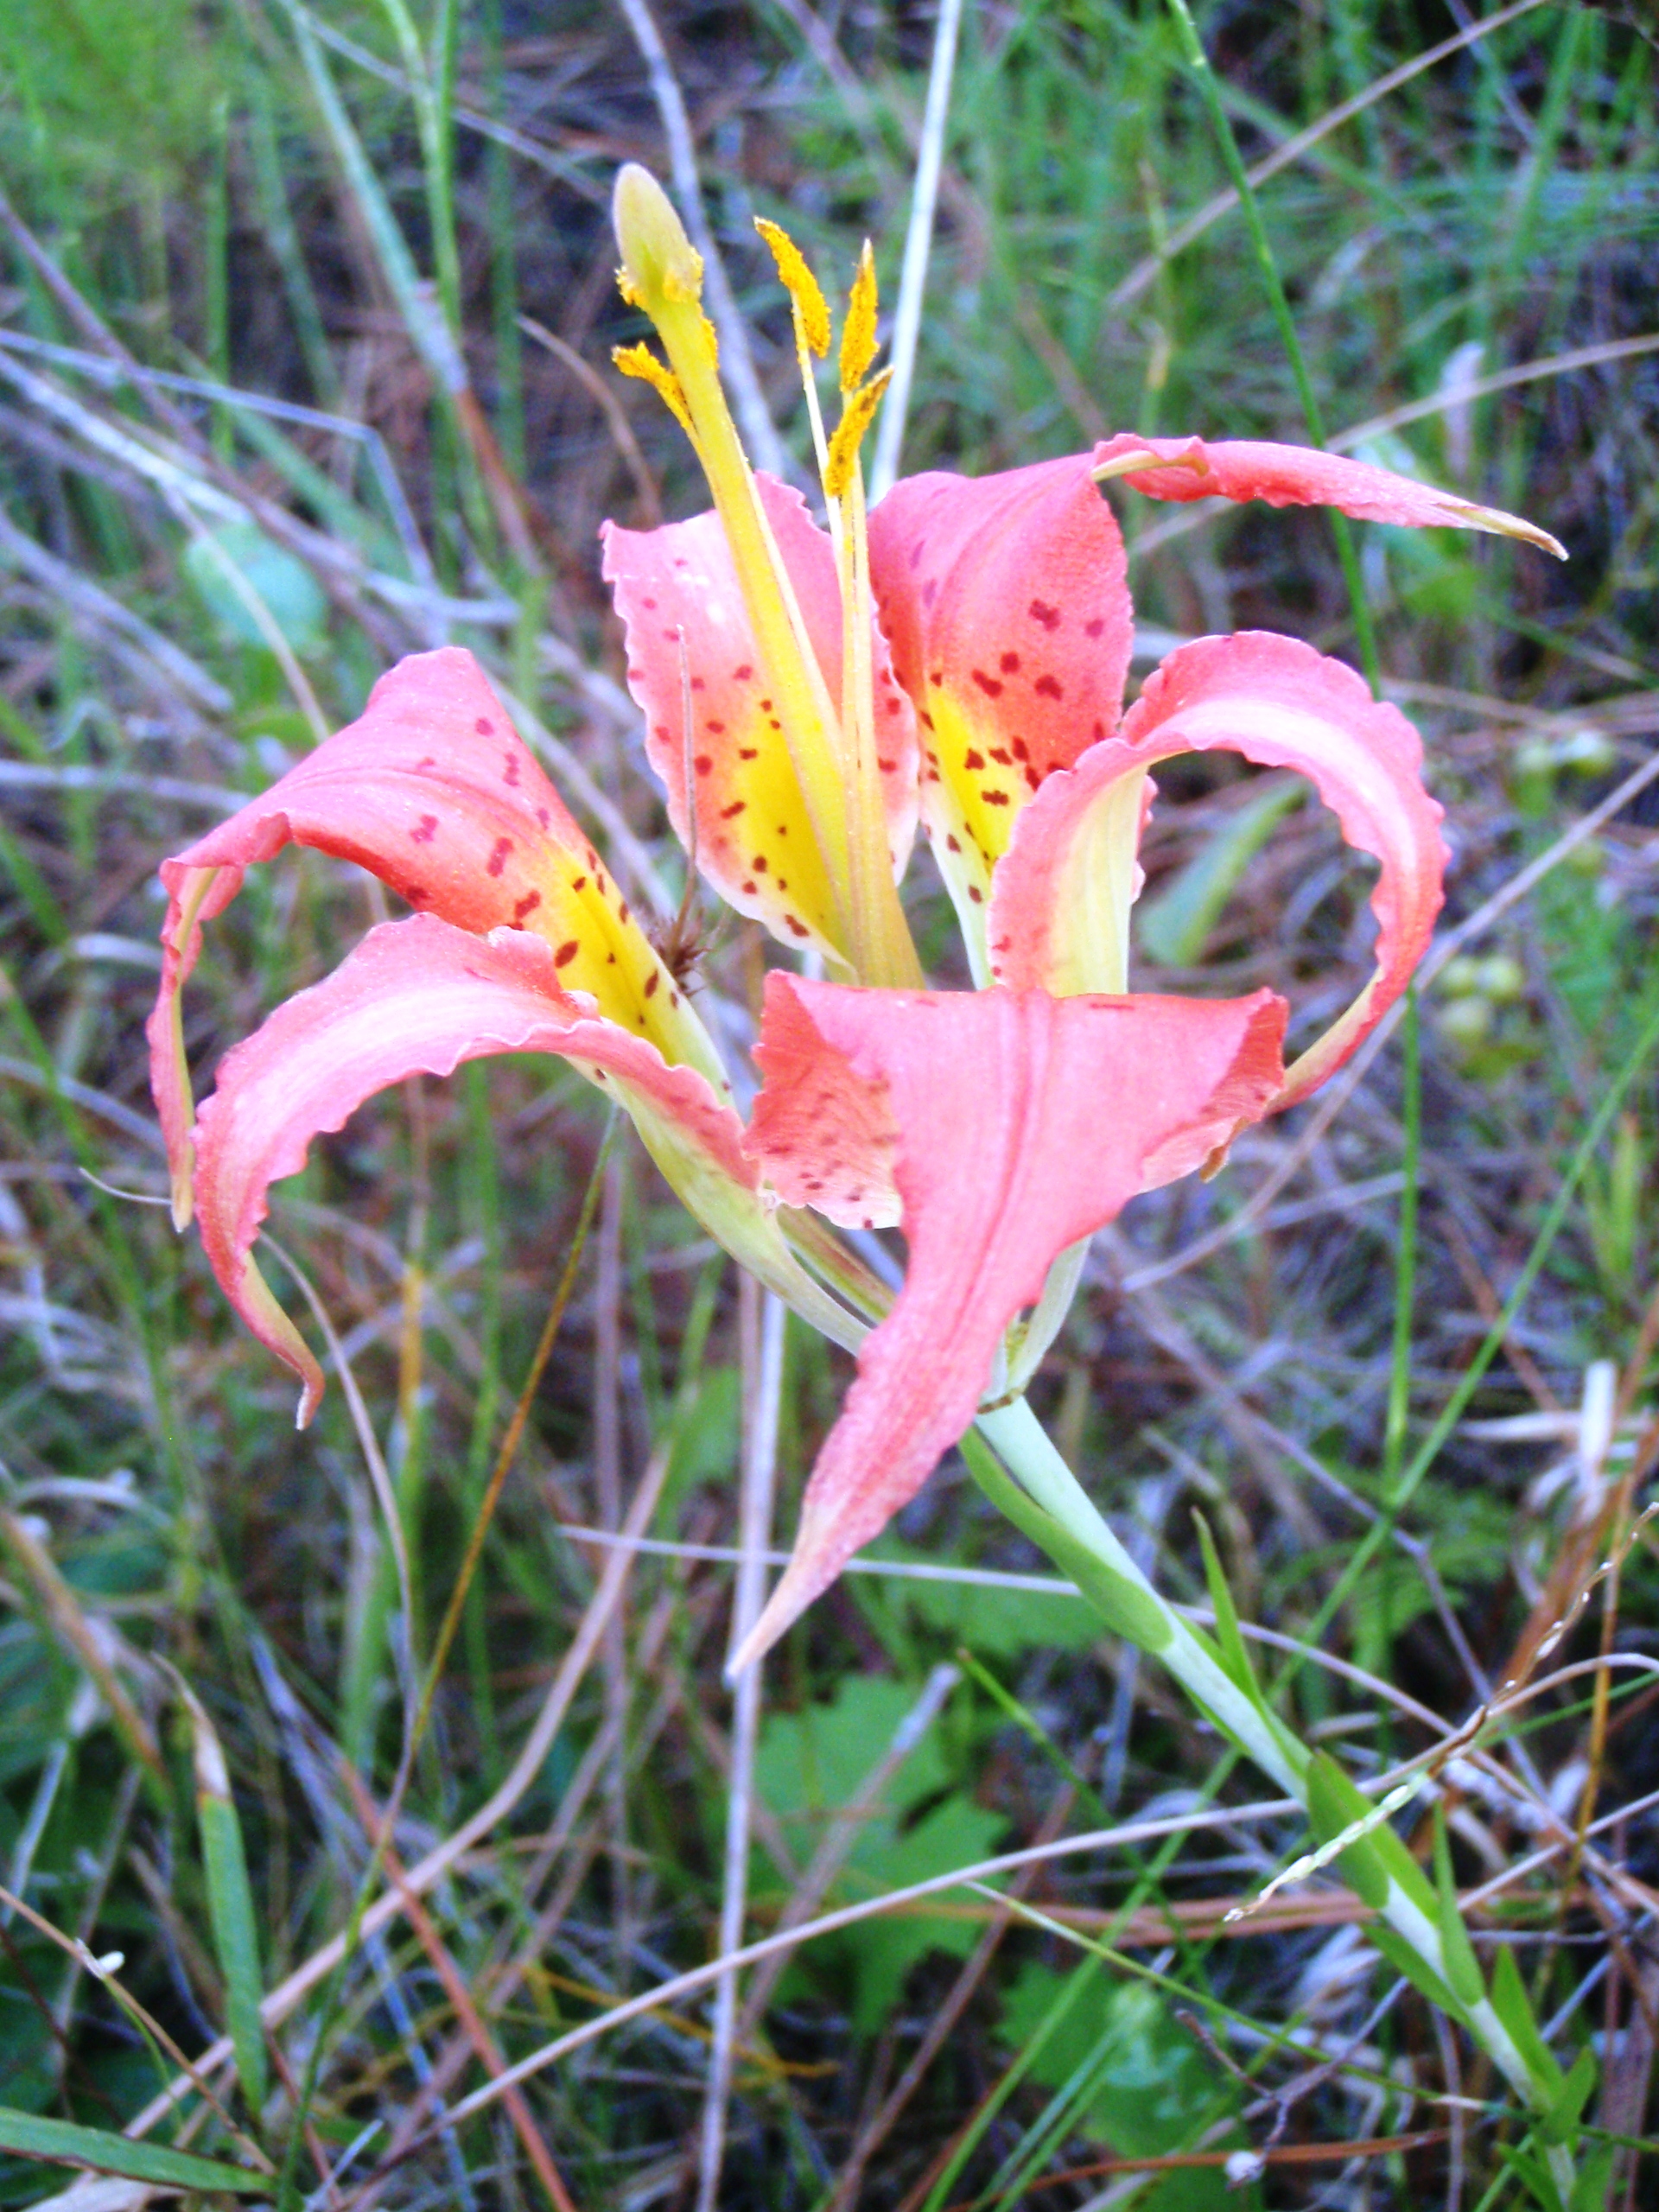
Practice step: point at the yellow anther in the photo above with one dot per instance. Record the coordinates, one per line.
(660, 265)
(858, 338)
(857, 417)
(639, 361)
(812, 308)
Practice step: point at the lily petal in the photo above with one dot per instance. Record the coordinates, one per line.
(433, 791)
(1005, 601)
(1060, 908)
(419, 997)
(1018, 1123)
(678, 592)
(1300, 476)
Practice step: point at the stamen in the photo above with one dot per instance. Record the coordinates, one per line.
(639, 361)
(858, 337)
(811, 310)
(856, 419)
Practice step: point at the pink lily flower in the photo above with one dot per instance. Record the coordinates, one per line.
(959, 658)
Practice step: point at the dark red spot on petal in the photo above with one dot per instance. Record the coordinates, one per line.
(1002, 758)
(579, 883)
(1017, 745)
(527, 904)
(703, 764)
(718, 729)
(742, 675)
(568, 951)
(652, 982)
(758, 863)
(972, 758)
(1048, 687)
(484, 726)
(424, 830)
(1093, 629)
(994, 799)
(730, 813)
(748, 752)
(1009, 664)
(952, 843)
(799, 928)
(975, 894)
(500, 855)
(987, 684)
(1040, 611)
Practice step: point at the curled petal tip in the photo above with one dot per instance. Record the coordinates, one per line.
(1505, 525)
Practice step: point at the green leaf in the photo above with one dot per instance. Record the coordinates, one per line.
(1562, 2119)
(1417, 1971)
(230, 1904)
(1173, 924)
(1333, 1805)
(27, 2136)
(1463, 1970)
(1235, 1654)
(1514, 2007)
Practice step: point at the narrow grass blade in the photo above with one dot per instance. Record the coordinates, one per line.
(26, 2135)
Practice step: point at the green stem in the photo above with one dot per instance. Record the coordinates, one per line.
(1046, 1500)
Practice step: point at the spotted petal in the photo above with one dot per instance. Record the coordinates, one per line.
(1298, 476)
(1010, 1124)
(1059, 913)
(433, 791)
(419, 997)
(676, 590)
(1005, 600)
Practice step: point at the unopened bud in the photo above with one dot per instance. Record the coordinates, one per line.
(660, 265)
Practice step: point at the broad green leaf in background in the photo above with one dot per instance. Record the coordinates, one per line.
(1141, 2084)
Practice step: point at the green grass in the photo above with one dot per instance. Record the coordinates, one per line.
(252, 202)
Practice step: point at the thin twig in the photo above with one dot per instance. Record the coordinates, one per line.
(918, 240)
(763, 1366)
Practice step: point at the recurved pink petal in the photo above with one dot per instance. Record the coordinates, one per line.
(1005, 600)
(419, 997)
(1062, 892)
(433, 791)
(754, 842)
(1300, 476)
(1017, 1123)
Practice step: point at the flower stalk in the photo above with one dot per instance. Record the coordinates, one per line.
(1420, 1929)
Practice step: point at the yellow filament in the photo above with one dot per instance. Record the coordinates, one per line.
(858, 338)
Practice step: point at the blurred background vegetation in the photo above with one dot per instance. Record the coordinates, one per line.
(305, 315)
